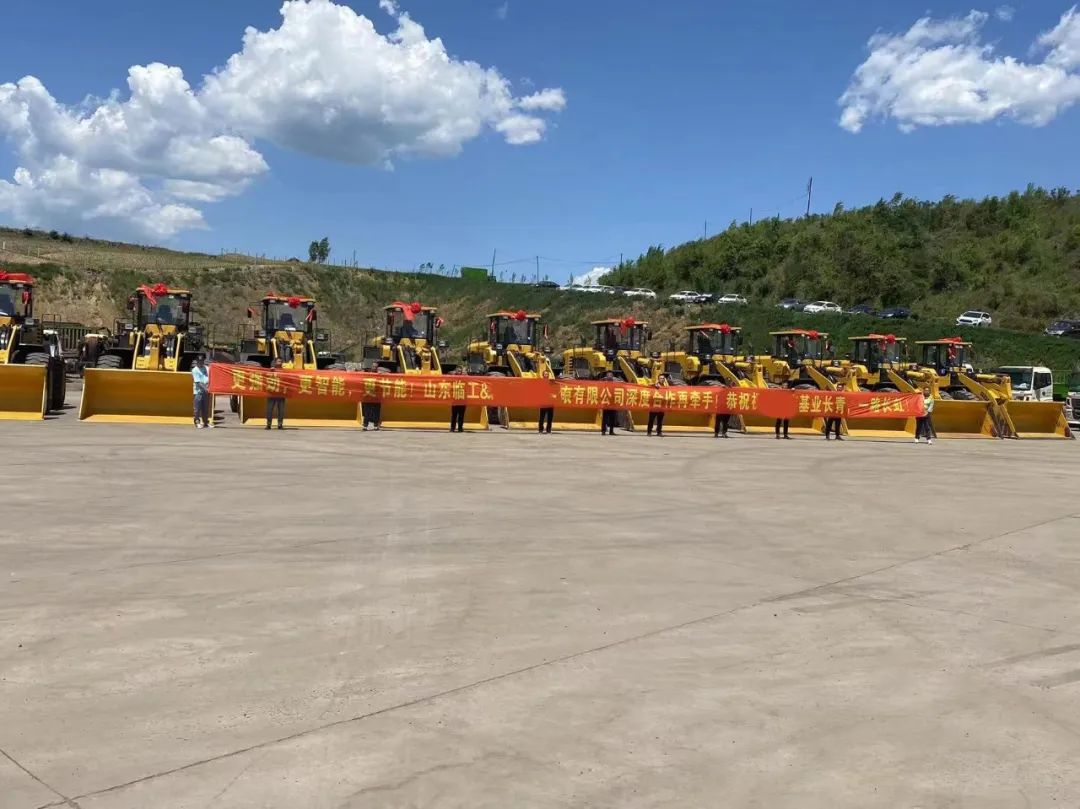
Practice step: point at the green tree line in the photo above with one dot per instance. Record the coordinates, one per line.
(1016, 256)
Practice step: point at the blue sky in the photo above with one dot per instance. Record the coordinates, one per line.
(675, 113)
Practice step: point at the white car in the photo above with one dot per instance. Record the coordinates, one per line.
(640, 292)
(685, 296)
(732, 298)
(817, 307)
(973, 318)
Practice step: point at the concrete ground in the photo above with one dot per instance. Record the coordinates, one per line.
(235, 618)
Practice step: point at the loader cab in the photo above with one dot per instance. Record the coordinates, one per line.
(517, 330)
(161, 308)
(16, 297)
(413, 324)
(289, 315)
(710, 340)
(17, 326)
(626, 337)
(876, 351)
(801, 347)
(945, 356)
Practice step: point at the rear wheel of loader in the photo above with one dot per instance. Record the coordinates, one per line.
(110, 361)
(964, 395)
(41, 358)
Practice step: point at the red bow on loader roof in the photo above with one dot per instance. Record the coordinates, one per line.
(626, 324)
(725, 328)
(293, 302)
(152, 292)
(15, 277)
(813, 335)
(410, 310)
(520, 315)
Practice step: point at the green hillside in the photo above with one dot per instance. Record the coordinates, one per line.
(1017, 257)
(88, 281)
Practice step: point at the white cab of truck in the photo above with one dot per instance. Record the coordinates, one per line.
(1030, 383)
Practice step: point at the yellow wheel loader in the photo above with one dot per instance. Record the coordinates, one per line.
(972, 404)
(878, 364)
(286, 331)
(141, 374)
(1031, 408)
(410, 345)
(32, 372)
(511, 348)
(619, 348)
(712, 358)
(801, 359)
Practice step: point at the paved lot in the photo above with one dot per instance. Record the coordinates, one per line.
(322, 619)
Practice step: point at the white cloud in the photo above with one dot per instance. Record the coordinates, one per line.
(940, 72)
(1005, 13)
(502, 11)
(324, 83)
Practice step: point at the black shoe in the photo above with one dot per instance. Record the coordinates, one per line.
(280, 427)
(838, 438)
(659, 435)
(787, 437)
(267, 426)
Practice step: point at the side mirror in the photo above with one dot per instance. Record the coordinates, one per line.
(250, 313)
(131, 304)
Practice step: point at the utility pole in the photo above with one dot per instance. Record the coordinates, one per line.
(751, 216)
(706, 228)
(538, 269)
(809, 194)
(620, 259)
(493, 262)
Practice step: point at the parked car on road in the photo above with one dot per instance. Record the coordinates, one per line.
(819, 307)
(1059, 327)
(974, 318)
(791, 304)
(895, 313)
(546, 285)
(862, 309)
(640, 292)
(685, 296)
(731, 297)
(707, 297)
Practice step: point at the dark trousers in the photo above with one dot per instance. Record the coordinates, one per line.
(923, 427)
(457, 419)
(201, 407)
(656, 419)
(607, 422)
(832, 426)
(723, 420)
(785, 424)
(546, 415)
(372, 413)
(275, 404)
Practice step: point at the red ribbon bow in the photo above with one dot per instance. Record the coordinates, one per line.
(294, 302)
(520, 315)
(725, 328)
(152, 292)
(409, 310)
(813, 335)
(626, 324)
(890, 338)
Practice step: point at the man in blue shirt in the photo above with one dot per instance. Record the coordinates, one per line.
(201, 392)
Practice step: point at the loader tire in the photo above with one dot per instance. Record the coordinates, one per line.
(337, 366)
(964, 395)
(109, 361)
(944, 394)
(712, 383)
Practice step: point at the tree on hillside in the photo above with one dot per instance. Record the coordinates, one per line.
(313, 252)
(324, 250)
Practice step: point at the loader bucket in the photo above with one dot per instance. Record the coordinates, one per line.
(22, 392)
(954, 418)
(139, 397)
(428, 417)
(303, 412)
(881, 428)
(800, 425)
(521, 418)
(565, 419)
(676, 422)
(1038, 419)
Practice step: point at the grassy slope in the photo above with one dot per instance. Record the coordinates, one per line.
(89, 282)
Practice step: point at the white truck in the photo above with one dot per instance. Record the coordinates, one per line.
(1030, 383)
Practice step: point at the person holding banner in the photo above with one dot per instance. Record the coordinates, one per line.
(656, 417)
(275, 404)
(457, 411)
(924, 424)
(785, 423)
(723, 421)
(832, 424)
(608, 417)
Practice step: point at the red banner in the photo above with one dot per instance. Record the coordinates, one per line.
(497, 391)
